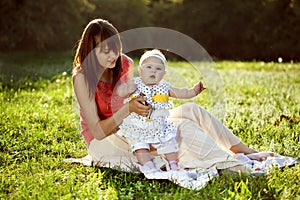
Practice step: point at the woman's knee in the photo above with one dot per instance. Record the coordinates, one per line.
(194, 107)
(189, 110)
(191, 105)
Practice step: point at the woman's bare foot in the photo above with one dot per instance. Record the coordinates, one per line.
(255, 155)
(261, 156)
(242, 148)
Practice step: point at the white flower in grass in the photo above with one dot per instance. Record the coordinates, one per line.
(36, 115)
(45, 105)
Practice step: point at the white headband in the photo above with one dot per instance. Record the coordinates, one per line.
(155, 54)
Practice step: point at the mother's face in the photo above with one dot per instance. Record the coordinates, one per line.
(107, 58)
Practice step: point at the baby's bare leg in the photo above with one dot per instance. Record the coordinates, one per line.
(143, 156)
(172, 159)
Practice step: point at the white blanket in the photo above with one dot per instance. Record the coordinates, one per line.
(196, 179)
(264, 166)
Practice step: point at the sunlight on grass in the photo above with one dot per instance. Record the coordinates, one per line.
(38, 132)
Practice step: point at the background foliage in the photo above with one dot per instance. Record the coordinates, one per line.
(227, 29)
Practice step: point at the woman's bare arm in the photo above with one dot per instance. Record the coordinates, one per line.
(103, 128)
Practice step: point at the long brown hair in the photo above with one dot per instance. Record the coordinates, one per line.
(85, 59)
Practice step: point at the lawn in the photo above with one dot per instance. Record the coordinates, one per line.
(39, 129)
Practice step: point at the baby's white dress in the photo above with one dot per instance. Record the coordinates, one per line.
(157, 128)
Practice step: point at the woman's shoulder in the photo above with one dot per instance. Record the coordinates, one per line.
(127, 62)
(78, 76)
(127, 65)
(76, 70)
(126, 58)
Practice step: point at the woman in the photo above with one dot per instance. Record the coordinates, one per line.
(99, 67)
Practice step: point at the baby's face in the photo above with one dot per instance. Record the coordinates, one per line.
(152, 71)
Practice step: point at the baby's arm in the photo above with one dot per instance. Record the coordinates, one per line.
(126, 89)
(186, 93)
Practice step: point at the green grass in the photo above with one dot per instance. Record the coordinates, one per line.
(39, 130)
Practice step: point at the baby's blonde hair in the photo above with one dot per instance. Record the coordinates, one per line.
(153, 53)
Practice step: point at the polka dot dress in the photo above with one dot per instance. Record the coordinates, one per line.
(156, 129)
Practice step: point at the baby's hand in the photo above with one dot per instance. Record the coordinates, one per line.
(131, 87)
(198, 88)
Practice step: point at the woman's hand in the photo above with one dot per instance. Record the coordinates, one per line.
(137, 105)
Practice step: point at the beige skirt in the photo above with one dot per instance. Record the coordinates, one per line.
(202, 139)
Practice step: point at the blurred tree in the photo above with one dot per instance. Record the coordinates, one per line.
(230, 29)
(43, 25)
(227, 29)
(275, 30)
(125, 14)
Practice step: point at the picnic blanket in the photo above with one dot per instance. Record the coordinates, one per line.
(197, 178)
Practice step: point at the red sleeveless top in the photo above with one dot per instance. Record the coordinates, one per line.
(106, 99)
